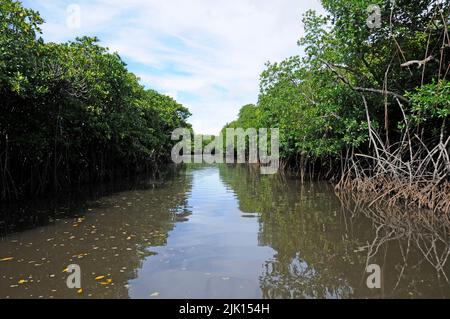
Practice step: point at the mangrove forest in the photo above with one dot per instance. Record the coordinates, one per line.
(72, 113)
(366, 106)
(335, 183)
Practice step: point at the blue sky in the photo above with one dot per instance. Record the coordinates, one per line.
(207, 54)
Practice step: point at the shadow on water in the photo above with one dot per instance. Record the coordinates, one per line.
(106, 230)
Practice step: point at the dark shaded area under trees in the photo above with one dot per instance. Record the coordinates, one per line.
(72, 113)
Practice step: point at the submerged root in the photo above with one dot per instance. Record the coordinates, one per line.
(419, 229)
(419, 194)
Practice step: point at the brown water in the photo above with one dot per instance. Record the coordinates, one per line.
(216, 232)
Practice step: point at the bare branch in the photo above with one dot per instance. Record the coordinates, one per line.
(418, 62)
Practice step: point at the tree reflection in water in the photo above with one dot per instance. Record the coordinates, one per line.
(323, 242)
(108, 235)
(320, 241)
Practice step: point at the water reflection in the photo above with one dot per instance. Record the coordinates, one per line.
(215, 255)
(416, 240)
(323, 242)
(221, 232)
(108, 237)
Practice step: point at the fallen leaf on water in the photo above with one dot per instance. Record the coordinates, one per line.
(7, 259)
(107, 282)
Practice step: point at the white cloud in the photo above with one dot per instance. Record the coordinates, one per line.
(208, 53)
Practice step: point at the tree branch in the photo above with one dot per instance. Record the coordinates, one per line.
(419, 62)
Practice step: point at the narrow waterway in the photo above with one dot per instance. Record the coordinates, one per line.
(216, 232)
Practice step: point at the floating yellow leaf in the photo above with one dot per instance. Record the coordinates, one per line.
(7, 259)
(107, 282)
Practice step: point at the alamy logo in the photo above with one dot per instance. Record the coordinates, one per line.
(374, 279)
(374, 19)
(242, 146)
(73, 20)
(74, 279)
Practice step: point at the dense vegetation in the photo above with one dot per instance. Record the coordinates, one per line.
(367, 105)
(72, 112)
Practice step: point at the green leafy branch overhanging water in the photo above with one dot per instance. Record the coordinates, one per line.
(367, 105)
(72, 112)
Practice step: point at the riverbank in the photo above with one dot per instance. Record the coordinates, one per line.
(434, 196)
(355, 109)
(73, 113)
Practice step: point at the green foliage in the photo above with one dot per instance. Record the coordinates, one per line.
(317, 100)
(431, 101)
(72, 111)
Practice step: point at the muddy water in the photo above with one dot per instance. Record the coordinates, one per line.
(216, 232)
